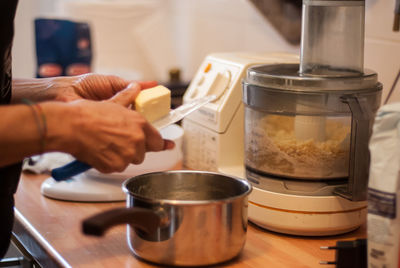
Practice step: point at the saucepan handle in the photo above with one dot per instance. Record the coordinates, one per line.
(141, 218)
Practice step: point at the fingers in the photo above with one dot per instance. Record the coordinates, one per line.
(147, 84)
(118, 83)
(140, 151)
(169, 145)
(127, 96)
(154, 140)
(103, 87)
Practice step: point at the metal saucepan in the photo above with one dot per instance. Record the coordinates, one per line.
(183, 218)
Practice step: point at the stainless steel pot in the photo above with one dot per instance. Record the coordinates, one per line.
(183, 218)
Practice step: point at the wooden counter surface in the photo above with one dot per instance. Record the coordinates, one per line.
(51, 231)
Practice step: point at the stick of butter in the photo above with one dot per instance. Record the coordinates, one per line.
(153, 103)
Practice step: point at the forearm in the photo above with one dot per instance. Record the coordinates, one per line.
(20, 134)
(38, 90)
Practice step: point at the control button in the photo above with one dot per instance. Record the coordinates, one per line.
(195, 92)
(220, 84)
(201, 80)
(208, 68)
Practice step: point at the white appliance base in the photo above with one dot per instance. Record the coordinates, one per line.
(307, 221)
(306, 224)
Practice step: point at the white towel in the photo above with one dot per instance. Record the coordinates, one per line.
(44, 163)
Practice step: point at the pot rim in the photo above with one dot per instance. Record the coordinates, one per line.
(187, 202)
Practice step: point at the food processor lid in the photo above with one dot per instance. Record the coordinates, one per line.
(287, 77)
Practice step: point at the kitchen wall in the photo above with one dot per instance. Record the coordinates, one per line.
(382, 45)
(161, 34)
(223, 25)
(144, 38)
(132, 38)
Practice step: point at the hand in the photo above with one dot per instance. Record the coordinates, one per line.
(109, 137)
(70, 88)
(98, 87)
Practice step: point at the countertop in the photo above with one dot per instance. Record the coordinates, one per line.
(51, 232)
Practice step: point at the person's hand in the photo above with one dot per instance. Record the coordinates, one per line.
(108, 136)
(97, 87)
(69, 88)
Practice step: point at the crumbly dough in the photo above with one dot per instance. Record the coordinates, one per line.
(272, 147)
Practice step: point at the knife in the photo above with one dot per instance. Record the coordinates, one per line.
(76, 167)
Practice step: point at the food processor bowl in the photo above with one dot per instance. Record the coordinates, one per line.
(307, 127)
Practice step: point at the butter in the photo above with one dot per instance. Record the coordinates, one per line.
(153, 103)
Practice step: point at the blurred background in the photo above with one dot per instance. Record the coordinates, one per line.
(149, 39)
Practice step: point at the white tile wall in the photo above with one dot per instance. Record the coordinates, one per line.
(382, 45)
(23, 52)
(379, 19)
(209, 26)
(129, 37)
(180, 34)
(383, 56)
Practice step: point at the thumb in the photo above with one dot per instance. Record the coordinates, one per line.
(127, 96)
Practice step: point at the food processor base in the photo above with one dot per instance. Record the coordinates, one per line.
(305, 215)
(299, 224)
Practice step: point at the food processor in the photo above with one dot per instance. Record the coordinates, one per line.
(213, 139)
(307, 127)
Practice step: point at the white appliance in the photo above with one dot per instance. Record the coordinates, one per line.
(213, 137)
(214, 141)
